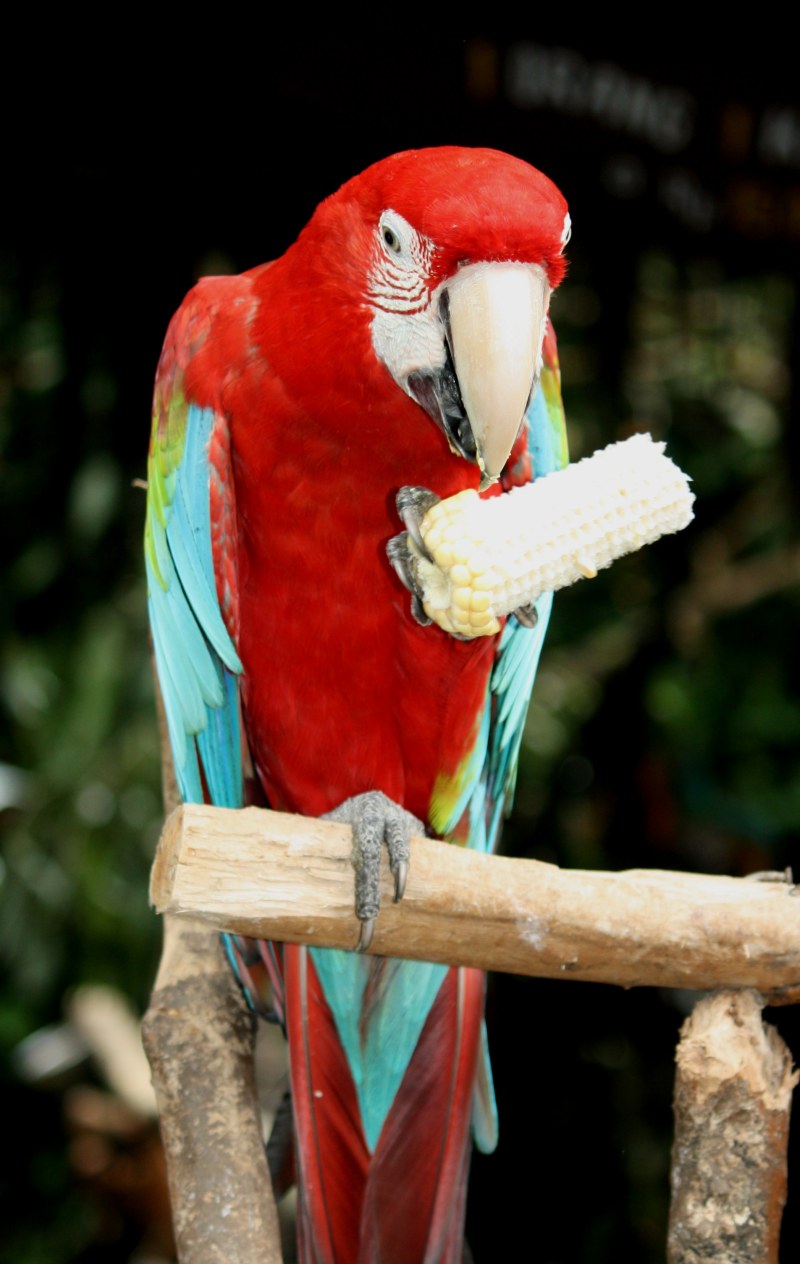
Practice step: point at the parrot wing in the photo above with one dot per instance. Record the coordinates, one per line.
(190, 562)
(193, 592)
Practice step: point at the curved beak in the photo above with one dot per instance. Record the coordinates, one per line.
(494, 316)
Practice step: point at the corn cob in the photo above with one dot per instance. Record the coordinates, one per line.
(490, 557)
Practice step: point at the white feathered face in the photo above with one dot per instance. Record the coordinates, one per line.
(468, 348)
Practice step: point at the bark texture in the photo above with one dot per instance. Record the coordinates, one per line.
(733, 1091)
(199, 1037)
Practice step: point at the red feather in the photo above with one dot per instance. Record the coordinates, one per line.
(415, 1200)
(332, 1154)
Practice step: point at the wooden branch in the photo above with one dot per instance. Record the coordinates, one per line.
(733, 1094)
(289, 878)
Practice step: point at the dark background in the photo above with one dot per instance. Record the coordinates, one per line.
(665, 721)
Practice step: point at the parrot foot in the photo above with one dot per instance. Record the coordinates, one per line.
(404, 550)
(376, 821)
(412, 505)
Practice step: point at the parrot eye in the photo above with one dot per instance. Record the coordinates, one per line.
(397, 237)
(566, 231)
(401, 263)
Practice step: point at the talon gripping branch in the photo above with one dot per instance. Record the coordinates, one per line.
(402, 341)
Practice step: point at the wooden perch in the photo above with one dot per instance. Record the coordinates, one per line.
(733, 1093)
(289, 878)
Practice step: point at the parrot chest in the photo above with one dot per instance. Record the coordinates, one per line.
(343, 691)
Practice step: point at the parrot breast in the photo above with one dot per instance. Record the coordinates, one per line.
(343, 691)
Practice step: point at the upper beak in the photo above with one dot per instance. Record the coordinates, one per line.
(494, 317)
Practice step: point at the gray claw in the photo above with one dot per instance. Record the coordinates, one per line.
(418, 612)
(365, 935)
(403, 561)
(400, 879)
(527, 615)
(412, 505)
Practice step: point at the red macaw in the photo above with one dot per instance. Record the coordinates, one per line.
(401, 342)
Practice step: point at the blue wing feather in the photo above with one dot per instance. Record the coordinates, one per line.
(196, 659)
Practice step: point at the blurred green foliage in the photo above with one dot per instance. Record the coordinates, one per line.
(79, 761)
(705, 730)
(80, 766)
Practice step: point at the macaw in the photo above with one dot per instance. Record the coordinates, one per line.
(402, 342)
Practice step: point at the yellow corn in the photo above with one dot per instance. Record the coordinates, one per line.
(493, 556)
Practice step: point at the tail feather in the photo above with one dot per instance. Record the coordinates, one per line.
(331, 1155)
(422, 1158)
(405, 1203)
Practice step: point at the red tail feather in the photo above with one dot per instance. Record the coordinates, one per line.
(355, 1206)
(331, 1154)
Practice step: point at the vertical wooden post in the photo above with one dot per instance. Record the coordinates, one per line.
(199, 1037)
(733, 1093)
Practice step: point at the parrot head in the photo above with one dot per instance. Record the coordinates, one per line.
(431, 271)
(450, 256)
